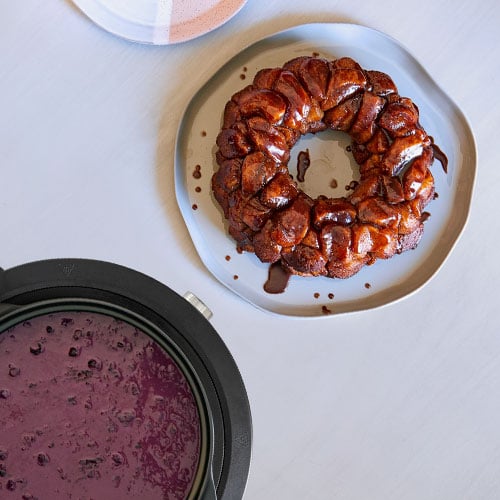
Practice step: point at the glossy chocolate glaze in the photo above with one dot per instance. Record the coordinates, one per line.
(92, 407)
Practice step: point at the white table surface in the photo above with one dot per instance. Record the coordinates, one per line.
(401, 402)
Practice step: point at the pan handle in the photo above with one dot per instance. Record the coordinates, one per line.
(198, 304)
(5, 307)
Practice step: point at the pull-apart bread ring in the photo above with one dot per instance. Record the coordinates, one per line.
(267, 212)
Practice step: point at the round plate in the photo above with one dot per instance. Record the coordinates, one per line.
(159, 22)
(387, 280)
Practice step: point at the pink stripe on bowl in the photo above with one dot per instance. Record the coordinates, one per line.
(192, 18)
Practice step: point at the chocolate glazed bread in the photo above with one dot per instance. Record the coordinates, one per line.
(269, 215)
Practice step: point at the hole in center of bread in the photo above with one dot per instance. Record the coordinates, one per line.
(332, 167)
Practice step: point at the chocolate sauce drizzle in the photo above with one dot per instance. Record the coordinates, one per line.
(303, 163)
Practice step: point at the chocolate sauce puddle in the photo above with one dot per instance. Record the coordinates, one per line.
(277, 279)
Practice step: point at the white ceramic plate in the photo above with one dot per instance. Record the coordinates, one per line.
(159, 22)
(376, 285)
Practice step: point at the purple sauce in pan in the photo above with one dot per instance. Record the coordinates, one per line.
(91, 407)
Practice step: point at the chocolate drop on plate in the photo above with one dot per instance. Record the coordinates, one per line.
(197, 172)
(325, 310)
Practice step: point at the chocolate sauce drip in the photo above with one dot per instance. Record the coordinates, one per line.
(303, 163)
(439, 155)
(277, 279)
